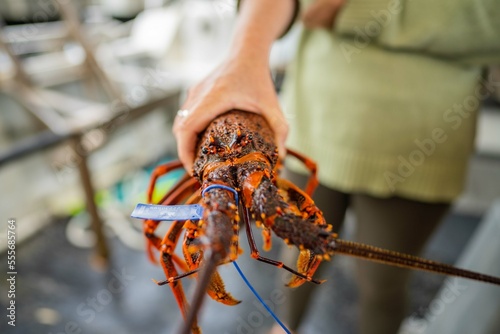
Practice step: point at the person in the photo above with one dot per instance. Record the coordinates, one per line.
(383, 94)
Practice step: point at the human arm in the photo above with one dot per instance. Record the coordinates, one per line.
(242, 80)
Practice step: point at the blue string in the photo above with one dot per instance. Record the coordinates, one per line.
(220, 186)
(260, 299)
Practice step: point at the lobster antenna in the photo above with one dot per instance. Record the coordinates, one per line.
(380, 255)
(260, 298)
(199, 293)
(208, 269)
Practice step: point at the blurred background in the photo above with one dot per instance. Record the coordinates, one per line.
(88, 92)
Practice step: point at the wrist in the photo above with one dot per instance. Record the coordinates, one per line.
(259, 23)
(245, 51)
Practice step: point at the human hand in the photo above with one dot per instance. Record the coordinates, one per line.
(241, 82)
(322, 13)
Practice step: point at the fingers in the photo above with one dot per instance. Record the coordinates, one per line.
(186, 129)
(185, 140)
(234, 85)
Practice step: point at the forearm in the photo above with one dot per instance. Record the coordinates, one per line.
(259, 23)
(242, 81)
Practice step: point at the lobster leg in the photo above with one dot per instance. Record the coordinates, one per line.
(293, 217)
(220, 212)
(193, 253)
(180, 276)
(255, 253)
(261, 197)
(176, 278)
(168, 258)
(182, 190)
(266, 236)
(307, 264)
(157, 173)
(302, 205)
(171, 271)
(217, 291)
(161, 245)
(172, 236)
(175, 194)
(313, 182)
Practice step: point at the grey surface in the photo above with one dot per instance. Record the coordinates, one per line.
(55, 275)
(462, 306)
(336, 308)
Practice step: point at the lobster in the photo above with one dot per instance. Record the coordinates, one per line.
(236, 177)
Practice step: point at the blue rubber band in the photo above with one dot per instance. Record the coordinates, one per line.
(220, 186)
(260, 299)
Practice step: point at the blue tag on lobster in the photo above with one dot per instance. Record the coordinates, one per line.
(168, 212)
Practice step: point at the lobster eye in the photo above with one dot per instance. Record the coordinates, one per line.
(204, 150)
(215, 142)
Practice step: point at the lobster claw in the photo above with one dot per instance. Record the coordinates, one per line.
(307, 264)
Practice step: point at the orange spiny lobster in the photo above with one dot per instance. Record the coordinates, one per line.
(237, 153)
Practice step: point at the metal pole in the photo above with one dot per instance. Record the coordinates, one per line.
(103, 253)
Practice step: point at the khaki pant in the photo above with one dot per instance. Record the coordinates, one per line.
(394, 223)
